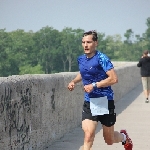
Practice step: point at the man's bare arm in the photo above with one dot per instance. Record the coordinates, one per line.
(77, 79)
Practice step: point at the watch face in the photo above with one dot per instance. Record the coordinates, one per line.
(94, 84)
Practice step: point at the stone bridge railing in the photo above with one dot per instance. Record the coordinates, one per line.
(36, 110)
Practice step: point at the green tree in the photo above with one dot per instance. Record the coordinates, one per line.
(47, 41)
(147, 33)
(101, 42)
(128, 35)
(8, 64)
(70, 47)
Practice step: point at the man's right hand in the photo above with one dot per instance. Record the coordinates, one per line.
(71, 86)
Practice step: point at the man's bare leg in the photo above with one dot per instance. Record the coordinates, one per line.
(89, 128)
(146, 93)
(111, 136)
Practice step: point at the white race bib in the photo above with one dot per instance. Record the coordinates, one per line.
(99, 106)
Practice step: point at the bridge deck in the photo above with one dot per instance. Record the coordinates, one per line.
(133, 114)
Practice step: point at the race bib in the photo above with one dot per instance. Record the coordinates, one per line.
(99, 106)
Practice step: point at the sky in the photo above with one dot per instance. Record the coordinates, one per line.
(105, 16)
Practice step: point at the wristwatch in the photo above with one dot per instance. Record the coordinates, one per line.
(94, 85)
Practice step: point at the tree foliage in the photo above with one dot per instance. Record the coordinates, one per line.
(49, 50)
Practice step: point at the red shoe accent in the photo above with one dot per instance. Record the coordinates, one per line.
(128, 145)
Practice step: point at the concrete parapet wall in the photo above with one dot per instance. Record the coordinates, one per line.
(128, 78)
(36, 110)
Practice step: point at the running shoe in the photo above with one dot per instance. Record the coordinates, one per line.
(147, 101)
(128, 145)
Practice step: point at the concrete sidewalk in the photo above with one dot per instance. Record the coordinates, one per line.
(133, 114)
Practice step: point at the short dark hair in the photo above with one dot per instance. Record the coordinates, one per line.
(92, 32)
(145, 52)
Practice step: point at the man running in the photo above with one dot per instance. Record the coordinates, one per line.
(97, 75)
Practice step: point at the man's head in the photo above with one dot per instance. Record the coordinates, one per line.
(93, 33)
(145, 53)
(89, 42)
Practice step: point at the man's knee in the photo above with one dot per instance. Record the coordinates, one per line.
(89, 137)
(109, 141)
(108, 134)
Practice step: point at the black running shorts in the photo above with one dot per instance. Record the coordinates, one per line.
(106, 119)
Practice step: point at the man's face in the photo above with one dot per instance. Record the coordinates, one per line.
(88, 44)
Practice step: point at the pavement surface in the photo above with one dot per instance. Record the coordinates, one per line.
(133, 114)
